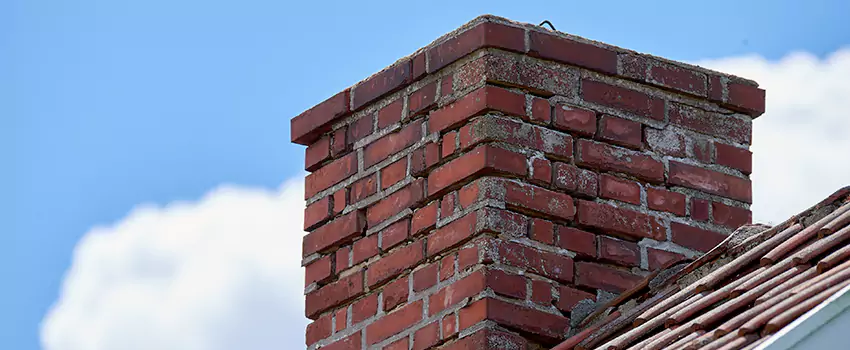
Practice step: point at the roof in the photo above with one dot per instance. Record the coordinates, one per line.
(737, 295)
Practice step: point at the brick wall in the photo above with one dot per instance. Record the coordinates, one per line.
(490, 190)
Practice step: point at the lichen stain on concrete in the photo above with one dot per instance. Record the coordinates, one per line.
(499, 341)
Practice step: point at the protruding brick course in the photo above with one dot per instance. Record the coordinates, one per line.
(481, 193)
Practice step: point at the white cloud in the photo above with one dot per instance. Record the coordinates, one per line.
(801, 145)
(220, 273)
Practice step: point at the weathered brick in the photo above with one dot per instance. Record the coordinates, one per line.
(403, 198)
(538, 199)
(573, 119)
(541, 112)
(339, 141)
(667, 141)
(699, 209)
(340, 200)
(612, 187)
(307, 126)
(454, 293)
(678, 78)
(352, 342)
(537, 77)
(612, 158)
(703, 150)
(446, 85)
(734, 157)
(570, 297)
(659, 259)
(401, 344)
(618, 251)
(395, 293)
(484, 159)
(393, 143)
(394, 234)
(452, 234)
(663, 200)
(541, 171)
(576, 180)
(318, 271)
(387, 81)
(695, 237)
(329, 175)
(426, 337)
(633, 66)
(393, 173)
(340, 319)
(487, 98)
(541, 292)
(342, 256)
(333, 294)
(543, 263)
(449, 325)
(361, 128)
(467, 257)
(447, 267)
(603, 277)
(363, 188)
(572, 52)
(390, 114)
(316, 153)
(710, 181)
(729, 216)
(620, 220)
(711, 123)
(394, 322)
(334, 233)
(424, 218)
(486, 34)
(750, 99)
(390, 265)
(483, 338)
(364, 248)
(364, 308)
(492, 128)
(542, 231)
(425, 277)
(317, 213)
(423, 99)
(715, 88)
(319, 329)
(578, 241)
(449, 144)
(506, 284)
(621, 131)
(447, 205)
(550, 328)
(623, 99)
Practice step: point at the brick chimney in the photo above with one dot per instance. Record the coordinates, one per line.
(490, 190)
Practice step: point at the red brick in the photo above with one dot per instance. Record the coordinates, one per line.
(538, 199)
(394, 234)
(541, 292)
(448, 144)
(317, 213)
(486, 34)
(447, 267)
(667, 141)
(390, 114)
(339, 142)
(401, 344)
(424, 218)
(393, 143)
(469, 194)
(482, 160)
(623, 99)
(618, 251)
(467, 257)
(710, 181)
(633, 66)
(603, 277)
(423, 99)
(406, 197)
(612, 158)
(549, 327)
(482, 339)
(729, 216)
(541, 112)
(395, 293)
(340, 200)
(663, 200)
(703, 150)
(447, 205)
(342, 257)
(570, 297)
(694, 237)
(360, 128)
(418, 63)
(477, 102)
(576, 180)
(542, 231)
(306, 127)
(580, 121)
(572, 52)
(659, 259)
(449, 324)
(364, 248)
(318, 271)
(535, 137)
(424, 157)
(319, 329)
(578, 241)
(699, 209)
(394, 263)
(454, 293)
(620, 189)
(334, 233)
(425, 277)
(317, 153)
(543, 263)
(711, 123)
(389, 80)
(678, 78)
(750, 99)
(621, 131)
(340, 319)
(734, 157)
(352, 342)
(393, 173)
(329, 175)
(427, 336)
(446, 86)
(541, 171)
(364, 308)
(394, 322)
(363, 188)
(452, 234)
(620, 220)
(506, 284)
(715, 88)
(533, 75)
(334, 294)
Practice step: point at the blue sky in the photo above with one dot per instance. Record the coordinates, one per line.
(108, 104)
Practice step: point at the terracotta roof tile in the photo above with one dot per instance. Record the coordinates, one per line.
(738, 294)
